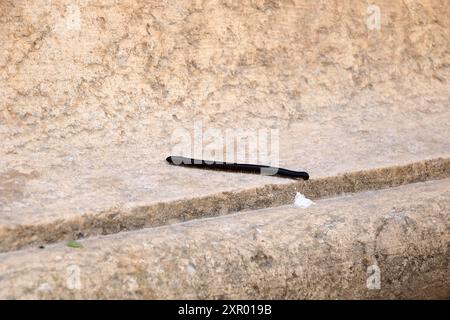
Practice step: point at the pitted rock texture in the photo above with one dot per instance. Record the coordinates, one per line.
(96, 73)
(333, 249)
(92, 91)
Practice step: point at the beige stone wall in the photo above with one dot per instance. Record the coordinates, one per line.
(111, 71)
(91, 91)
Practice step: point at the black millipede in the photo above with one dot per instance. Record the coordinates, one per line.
(237, 167)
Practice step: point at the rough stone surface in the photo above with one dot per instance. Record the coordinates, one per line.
(91, 92)
(109, 72)
(328, 250)
(39, 221)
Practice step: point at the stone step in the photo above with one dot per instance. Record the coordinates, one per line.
(391, 243)
(92, 95)
(70, 193)
(41, 213)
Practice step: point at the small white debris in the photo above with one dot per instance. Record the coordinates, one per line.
(302, 202)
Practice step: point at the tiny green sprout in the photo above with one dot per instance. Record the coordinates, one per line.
(74, 244)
